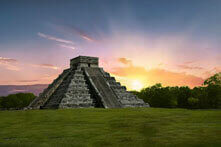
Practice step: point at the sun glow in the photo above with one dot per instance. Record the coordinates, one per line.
(136, 85)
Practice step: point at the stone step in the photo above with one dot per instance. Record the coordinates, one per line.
(75, 86)
(79, 91)
(78, 94)
(115, 86)
(78, 75)
(78, 78)
(110, 79)
(78, 72)
(80, 105)
(77, 100)
(78, 81)
(118, 88)
(106, 75)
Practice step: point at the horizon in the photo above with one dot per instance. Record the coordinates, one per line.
(141, 43)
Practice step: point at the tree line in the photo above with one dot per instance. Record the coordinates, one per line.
(16, 101)
(207, 96)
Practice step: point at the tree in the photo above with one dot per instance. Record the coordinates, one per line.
(158, 96)
(182, 98)
(213, 90)
(1, 98)
(214, 96)
(17, 101)
(193, 102)
(213, 80)
(163, 97)
(204, 97)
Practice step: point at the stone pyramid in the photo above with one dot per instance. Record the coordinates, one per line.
(85, 85)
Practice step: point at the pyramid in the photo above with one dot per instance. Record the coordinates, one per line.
(85, 85)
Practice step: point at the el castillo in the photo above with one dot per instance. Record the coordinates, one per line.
(85, 85)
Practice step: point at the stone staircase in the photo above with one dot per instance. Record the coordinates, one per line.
(72, 93)
(126, 98)
(101, 88)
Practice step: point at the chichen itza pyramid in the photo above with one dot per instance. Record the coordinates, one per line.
(85, 85)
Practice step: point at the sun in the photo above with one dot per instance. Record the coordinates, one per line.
(136, 85)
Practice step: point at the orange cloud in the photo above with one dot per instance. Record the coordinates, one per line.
(125, 61)
(212, 71)
(150, 77)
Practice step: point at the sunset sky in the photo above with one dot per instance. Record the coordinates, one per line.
(173, 42)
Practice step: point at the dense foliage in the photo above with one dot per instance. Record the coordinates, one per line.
(205, 97)
(16, 101)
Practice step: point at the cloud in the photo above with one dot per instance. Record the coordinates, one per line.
(81, 33)
(75, 31)
(7, 60)
(189, 62)
(217, 69)
(183, 66)
(213, 71)
(17, 90)
(125, 61)
(27, 81)
(150, 77)
(50, 66)
(84, 36)
(55, 38)
(9, 63)
(67, 46)
(153, 76)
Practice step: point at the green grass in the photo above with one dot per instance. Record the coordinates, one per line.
(111, 127)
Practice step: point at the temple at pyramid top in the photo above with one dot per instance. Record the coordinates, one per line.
(84, 85)
(84, 61)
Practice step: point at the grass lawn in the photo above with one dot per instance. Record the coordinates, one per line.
(111, 127)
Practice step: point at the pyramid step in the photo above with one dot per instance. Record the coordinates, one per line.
(78, 72)
(110, 79)
(77, 86)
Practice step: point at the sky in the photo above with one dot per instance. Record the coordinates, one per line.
(140, 42)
